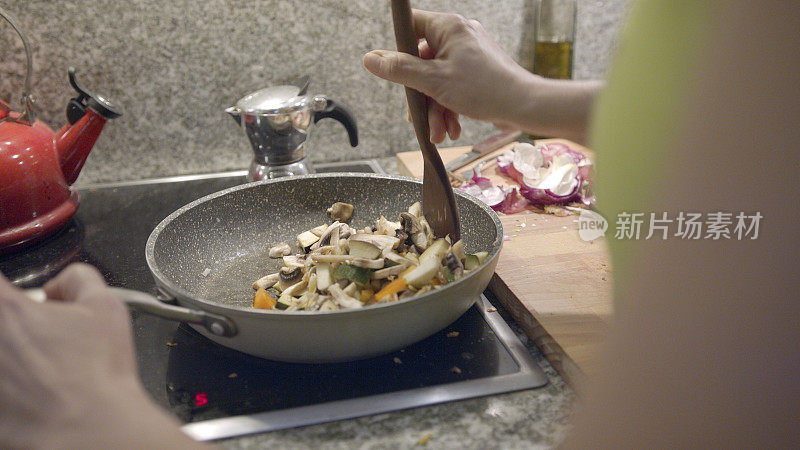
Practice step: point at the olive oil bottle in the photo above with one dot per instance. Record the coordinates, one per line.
(553, 60)
(553, 36)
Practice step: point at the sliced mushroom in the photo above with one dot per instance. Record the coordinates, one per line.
(342, 299)
(410, 223)
(328, 305)
(379, 240)
(322, 250)
(358, 262)
(315, 301)
(420, 241)
(458, 249)
(306, 239)
(412, 256)
(424, 289)
(308, 278)
(324, 276)
(288, 294)
(387, 272)
(406, 294)
(397, 258)
(293, 261)
(363, 249)
(413, 226)
(298, 303)
(279, 250)
(404, 240)
(345, 231)
(266, 282)
(427, 230)
(325, 239)
(385, 226)
(350, 289)
(334, 238)
(342, 248)
(340, 211)
(319, 229)
(289, 276)
(415, 209)
(312, 280)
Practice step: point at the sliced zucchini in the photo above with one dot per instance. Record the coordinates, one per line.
(423, 273)
(358, 275)
(283, 302)
(448, 275)
(471, 262)
(437, 250)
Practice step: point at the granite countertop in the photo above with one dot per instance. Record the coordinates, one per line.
(524, 419)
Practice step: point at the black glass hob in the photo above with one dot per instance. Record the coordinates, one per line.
(218, 392)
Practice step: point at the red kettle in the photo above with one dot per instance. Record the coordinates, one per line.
(37, 166)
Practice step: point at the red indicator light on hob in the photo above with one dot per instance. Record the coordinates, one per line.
(200, 399)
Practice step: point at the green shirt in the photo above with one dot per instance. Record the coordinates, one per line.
(641, 106)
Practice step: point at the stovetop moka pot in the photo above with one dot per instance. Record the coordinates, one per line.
(277, 121)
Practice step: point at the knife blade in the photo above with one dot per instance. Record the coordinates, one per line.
(483, 148)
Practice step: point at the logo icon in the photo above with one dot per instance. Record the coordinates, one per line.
(591, 225)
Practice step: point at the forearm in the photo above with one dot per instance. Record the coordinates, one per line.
(555, 108)
(125, 418)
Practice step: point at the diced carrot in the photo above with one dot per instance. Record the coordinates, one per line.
(366, 295)
(263, 300)
(394, 287)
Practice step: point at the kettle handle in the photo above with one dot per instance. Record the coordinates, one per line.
(27, 117)
(334, 110)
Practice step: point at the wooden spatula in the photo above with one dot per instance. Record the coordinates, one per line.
(438, 201)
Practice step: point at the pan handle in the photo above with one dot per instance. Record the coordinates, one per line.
(214, 323)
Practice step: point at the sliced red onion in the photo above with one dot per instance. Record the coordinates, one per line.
(483, 189)
(513, 203)
(505, 163)
(528, 166)
(553, 149)
(548, 197)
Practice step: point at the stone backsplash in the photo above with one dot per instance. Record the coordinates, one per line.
(174, 66)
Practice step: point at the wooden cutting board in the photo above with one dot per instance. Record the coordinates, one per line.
(556, 286)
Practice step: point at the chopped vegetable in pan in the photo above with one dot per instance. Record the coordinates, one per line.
(339, 267)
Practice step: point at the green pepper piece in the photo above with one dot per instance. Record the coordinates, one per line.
(358, 275)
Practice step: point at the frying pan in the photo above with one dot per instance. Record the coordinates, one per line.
(206, 255)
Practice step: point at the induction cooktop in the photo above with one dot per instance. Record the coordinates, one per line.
(218, 392)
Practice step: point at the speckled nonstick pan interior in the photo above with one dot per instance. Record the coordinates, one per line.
(227, 236)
